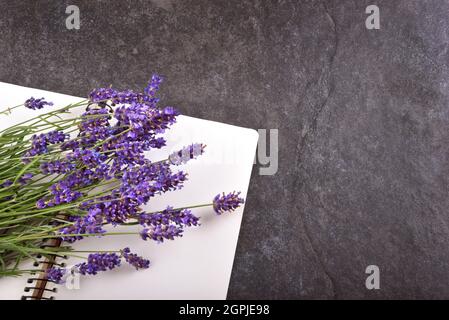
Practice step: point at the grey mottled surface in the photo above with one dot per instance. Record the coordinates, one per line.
(362, 117)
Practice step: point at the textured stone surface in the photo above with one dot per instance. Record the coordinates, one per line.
(362, 117)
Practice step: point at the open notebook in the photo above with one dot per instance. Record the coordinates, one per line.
(196, 266)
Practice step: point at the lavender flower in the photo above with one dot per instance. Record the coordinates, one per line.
(156, 143)
(102, 95)
(25, 178)
(141, 183)
(129, 153)
(161, 232)
(87, 176)
(170, 182)
(107, 151)
(229, 202)
(97, 262)
(186, 153)
(56, 166)
(41, 204)
(127, 97)
(104, 175)
(133, 175)
(40, 143)
(153, 85)
(116, 211)
(34, 104)
(89, 158)
(70, 145)
(145, 120)
(92, 223)
(55, 274)
(162, 119)
(62, 193)
(6, 183)
(182, 218)
(94, 127)
(134, 260)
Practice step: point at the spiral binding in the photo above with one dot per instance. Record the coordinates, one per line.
(39, 284)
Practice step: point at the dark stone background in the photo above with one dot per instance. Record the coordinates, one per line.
(362, 118)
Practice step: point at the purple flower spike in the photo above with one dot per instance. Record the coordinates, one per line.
(134, 260)
(55, 274)
(153, 85)
(89, 224)
(40, 204)
(182, 218)
(99, 262)
(161, 232)
(185, 154)
(6, 183)
(34, 104)
(40, 143)
(230, 202)
(56, 166)
(91, 159)
(102, 95)
(25, 178)
(62, 193)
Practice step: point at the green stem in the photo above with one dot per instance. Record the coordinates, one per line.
(77, 235)
(8, 110)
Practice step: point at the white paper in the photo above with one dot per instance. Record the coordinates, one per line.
(196, 266)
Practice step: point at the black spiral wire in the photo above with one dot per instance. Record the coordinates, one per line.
(38, 283)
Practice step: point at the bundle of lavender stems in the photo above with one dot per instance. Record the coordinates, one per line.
(67, 177)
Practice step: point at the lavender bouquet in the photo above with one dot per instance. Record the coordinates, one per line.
(66, 177)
